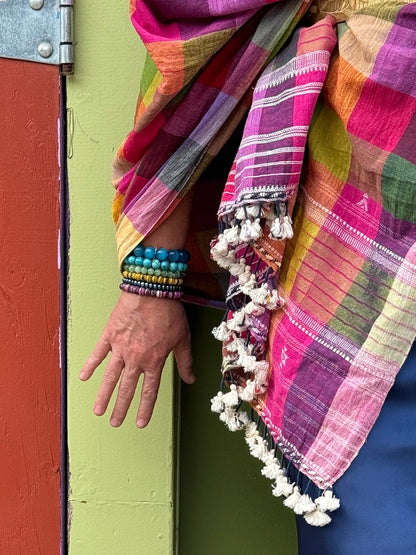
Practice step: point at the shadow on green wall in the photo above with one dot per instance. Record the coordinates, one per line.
(225, 504)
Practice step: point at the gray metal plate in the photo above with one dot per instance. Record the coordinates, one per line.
(22, 29)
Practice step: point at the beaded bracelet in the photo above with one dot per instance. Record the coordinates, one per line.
(171, 255)
(151, 271)
(155, 272)
(153, 279)
(155, 286)
(156, 264)
(150, 292)
(159, 258)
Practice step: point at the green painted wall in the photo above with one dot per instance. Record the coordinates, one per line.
(121, 487)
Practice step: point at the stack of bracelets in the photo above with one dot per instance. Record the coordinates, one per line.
(155, 272)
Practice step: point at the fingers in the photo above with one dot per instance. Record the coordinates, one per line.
(148, 397)
(97, 356)
(183, 357)
(110, 379)
(126, 390)
(139, 345)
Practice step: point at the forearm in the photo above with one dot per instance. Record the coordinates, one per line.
(171, 233)
(141, 332)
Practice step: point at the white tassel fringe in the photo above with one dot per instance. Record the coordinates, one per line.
(317, 518)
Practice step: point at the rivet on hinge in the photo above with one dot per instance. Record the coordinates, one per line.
(45, 49)
(36, 4)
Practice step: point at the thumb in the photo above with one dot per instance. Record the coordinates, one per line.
(183, 357)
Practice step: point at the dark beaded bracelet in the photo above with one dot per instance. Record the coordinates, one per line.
(154, 286)
(150, 292)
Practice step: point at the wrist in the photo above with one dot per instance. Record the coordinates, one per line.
(155, 272)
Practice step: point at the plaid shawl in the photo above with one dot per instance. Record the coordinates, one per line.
(320, 314)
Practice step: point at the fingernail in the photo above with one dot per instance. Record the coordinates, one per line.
(82, 376)
(141, 423)
(98, 410)
(192, 379)
(115, 422)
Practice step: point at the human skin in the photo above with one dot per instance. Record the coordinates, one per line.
(140, 334)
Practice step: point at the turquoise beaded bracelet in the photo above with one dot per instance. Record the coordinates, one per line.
(171, 255)
(156, 264)
(159, 258)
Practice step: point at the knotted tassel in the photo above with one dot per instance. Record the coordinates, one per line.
(260, 450)
(217, 404)
(282, 487)
(255, 210)
(248, 392)
(304, 505)
(273, 301)
(251, 441)
(232, 235)
(221, 332)
(317, 518)
(270, 458)
(246, 277)
(286, 229)
(254, 309)
(231, 399)
(252, 435)
(223, 261)
(261, 368)
(281, 228)
(327, 501)
(287, 488)
(249, 285)
(250, 231)
(260, 294)
(235, 346)
(275, 229)
(236, 322)
(240, 213)
(234, 420)
(293, 498)
(246, 361)
(272, 471)
(220, 246)
(238, 269)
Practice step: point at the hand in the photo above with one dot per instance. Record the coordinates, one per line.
(140, 333)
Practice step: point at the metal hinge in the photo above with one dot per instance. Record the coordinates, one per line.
(38, 31)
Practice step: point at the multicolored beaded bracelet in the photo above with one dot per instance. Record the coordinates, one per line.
(157, 272)
(151, 271)
(153, 279)
(150, 292)
(155, 286)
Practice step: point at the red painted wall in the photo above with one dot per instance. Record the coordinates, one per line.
(29, 309)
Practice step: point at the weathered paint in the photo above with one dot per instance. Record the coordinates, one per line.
(29, 309)
(121, 487)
